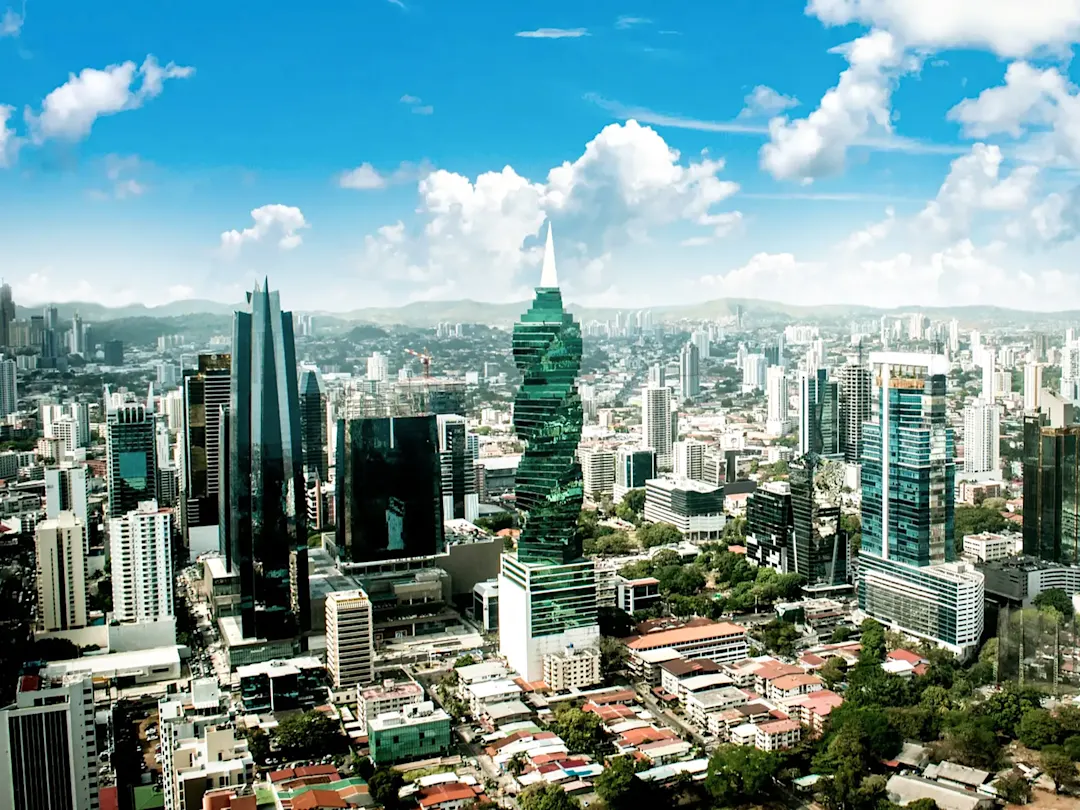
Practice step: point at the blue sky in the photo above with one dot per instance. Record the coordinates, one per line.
(380, 152)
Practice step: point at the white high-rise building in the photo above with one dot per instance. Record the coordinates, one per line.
(988, 358)
(460, 497)
(597, 471)
(48, 745)
(9, 387)
(65, 430)
(1032, 384)
(1070, 367)
(657, 424)
(982, 438)
(754, 371)
(67, 489)
(954, 336)
(378, 368)
(79, 412)
(61, 547)
(700, 338)
(689, 459)
(778, 398)
(173, 405)
(350, 639)
(657, 376)
(142, 575)
(689, 371)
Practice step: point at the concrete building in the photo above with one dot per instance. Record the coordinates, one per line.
(572, 668)
(486, 605)
(636, 594)
(633, 467)
(597, 471)
(688, 457)
(695, 508)
(282, 685)
(61, 550)
(387, 697)
(689, 371)
(720, 642)
(659, 425)
(142, 571)
(419, 731)
(9, 387)
(854, 409)
(988, 546)
(982, 438)
(1018, 580)
(1032, 386)
(778, 401)
(350, 639)
(48, 746)
(67, 489)
(754, 371)
(216, 760)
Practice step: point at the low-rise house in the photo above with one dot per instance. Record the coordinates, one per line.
(777, 735)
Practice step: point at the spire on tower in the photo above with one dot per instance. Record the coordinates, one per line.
(548, 276)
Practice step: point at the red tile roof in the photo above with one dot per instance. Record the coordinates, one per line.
(451, 792)
(686, 635)
(319, 800)
(317, 770)
(905, 655)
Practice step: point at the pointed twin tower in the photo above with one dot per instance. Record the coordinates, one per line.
(547, 588)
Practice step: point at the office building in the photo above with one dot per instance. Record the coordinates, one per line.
(819, 542)
(386, 697)
(754, 370)
(907, 577)
(777, 401)
(114, 352)
(140, 544)
(1032, 386)
(61, 548)
(689, 371)
(389, 495)
(1019, 579)
(819, 414)
(7, 316)
(768, 526)
(633, 467)
(9, 387)
(131, 452)
(988, 546)
(689, 459)
(659, 425)
(69, 422)
(267, 511)
(313, 438)
(67, 489)
(418, 732)
(572, 669)
(460, 493)
(204, 393)
(48, 746)
(854, 409)
(350, 639)
(982, 438)
(695, 508)
(1051, 475)
(547, 590)
(598, 472)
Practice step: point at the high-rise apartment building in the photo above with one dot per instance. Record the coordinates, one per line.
(61, 548)
(313, 424)
(350, 639)
(389, 494)
(689, 459)
(205, 393)
(460, 493)
(907, 577)
(657, 376)
(633, 467)
(1051, 478)
(777, 401)
(71, 418)
(658, 424)
(1032, 386)
(854, 409)
(819, 414)
(378, 368)
(266, 538)
(67, 489)
(598, 471)
(754, 370)
(140, 544)
(819, 543)
(547, 589)
(689, 371)
(9, 387)
(48, 745)
(131, 452)
(982, 438)
(700, 338)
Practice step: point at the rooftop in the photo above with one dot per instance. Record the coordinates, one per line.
(686, 635)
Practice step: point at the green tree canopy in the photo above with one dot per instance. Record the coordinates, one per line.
(1055, 599)
(658, 534)
(619, 786)
(978, 519)
(581, 731)
(1038, 729)
(872, 640)
(1057, 765)
(547, 797)
(741, 774)
(384, 786)
(307, 735)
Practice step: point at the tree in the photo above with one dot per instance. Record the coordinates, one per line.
(978, 519)
(631, 506)
(840, 635)
(680, 579)
(609, 545)
(873, 642)
(258, 744)
(612, 656)
(658, 534)
(833, 672)
(1014, 788)
(618, 784)
(1038, 729)
(516, 763)
(1005, 709)
(1055, 599)
(1058, 767)
(779, 637)
(54, 649)
(384, 786)
(547, 797)
(972, 742)
(1071, 747)
(307, 735)
(464, 661)
(614, 622)
(583, 732)
(741, 774)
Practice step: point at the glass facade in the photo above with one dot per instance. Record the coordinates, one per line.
(266, 539)
(458, 472)
(821, 549)
(206, 392)
(389, 502)
(561, 597)
(132, 451)
(313, 425)
(768, 523)
(414, 740)
(1051, 491)
(547, 417)
(821, 409)
(635, 467)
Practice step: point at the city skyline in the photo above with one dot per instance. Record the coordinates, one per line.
(831, 152)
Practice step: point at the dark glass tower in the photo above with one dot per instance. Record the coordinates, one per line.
(548, 418)
(206, 392)
(819, 414)
(131, 447)
(389, 504)
(313, 424)
(1052, 490)
(768, 525)
(820, 544)
(267, 533)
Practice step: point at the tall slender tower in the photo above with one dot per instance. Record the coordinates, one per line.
(7, 315)
(266, 540)
(313, 426)
(547, 590)
(205, 393)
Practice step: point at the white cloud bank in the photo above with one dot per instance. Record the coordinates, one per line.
(270, 220)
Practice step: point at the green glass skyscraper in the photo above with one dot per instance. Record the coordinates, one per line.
(547, 590)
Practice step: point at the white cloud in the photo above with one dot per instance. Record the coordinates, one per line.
(9, 142)
(626, 21)
(871, 234)
(365, 176)
(179, 292)
(553, 33)
(12, 21)
(816, 146)
(764, 102)
(481, 233)
(1054, 220)
(1007, 27)
(418, 107)
(269, 219)
(69, 111)
(975, 183)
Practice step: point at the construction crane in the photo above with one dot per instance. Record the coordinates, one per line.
(424, 358)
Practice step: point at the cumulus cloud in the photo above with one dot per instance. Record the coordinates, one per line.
(554, 33)
(1007, 27)
(69, 111)
(366, 177)
(764, 102)
(871, 234)
(270, 220)
(481, 233)
(975, 183)
(813, 147)
(9, 141)
(12, 21)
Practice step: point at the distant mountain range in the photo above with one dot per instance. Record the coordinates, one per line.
(429, 313)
